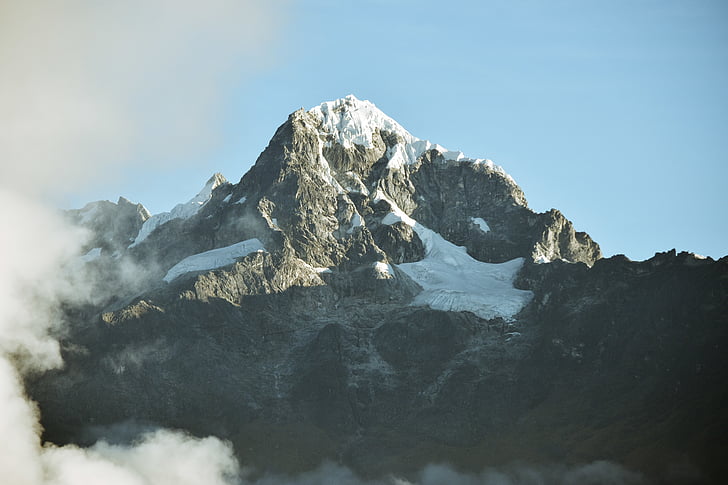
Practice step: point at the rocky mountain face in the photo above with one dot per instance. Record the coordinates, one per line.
(112, 226)
(367, 297)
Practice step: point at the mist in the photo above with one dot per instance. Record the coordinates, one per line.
(596, 473)
(86, 89)
(90, 87)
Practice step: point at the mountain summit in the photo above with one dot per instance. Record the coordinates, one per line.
(365, 296)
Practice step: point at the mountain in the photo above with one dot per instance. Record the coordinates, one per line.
(367, 297)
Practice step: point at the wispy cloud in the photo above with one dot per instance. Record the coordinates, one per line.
(87, 88)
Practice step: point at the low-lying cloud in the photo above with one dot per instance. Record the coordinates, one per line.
(88, 87)
(596, 473)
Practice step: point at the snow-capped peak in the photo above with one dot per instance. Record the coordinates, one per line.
(181, 211)
(212, 183)
(352, 121)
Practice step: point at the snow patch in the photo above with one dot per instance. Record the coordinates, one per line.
(452, 280)
(227, 199)
(318, 269)
(215, 258)
(353, 184)
(383, 270)
(180, 211)
(241, 200)
(93, 254)
(480, 223)
(356, 221)
(326, 170)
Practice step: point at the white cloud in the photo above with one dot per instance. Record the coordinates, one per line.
(88, 87)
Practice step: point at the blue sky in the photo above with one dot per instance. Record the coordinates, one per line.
(615, 112)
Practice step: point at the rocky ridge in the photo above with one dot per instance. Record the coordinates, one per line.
(347, 336)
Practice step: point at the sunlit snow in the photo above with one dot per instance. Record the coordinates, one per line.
(383, 270)
(180, 211)
(453, 281)
(215, 258)
(356, 221)
(352, 121)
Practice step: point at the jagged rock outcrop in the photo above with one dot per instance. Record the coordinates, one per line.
(371, 298)
(112, 226)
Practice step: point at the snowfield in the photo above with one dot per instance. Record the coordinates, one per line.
(215, 258)
(452, 280)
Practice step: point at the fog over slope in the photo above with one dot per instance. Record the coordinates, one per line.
(77, 83)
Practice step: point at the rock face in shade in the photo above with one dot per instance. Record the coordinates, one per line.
(113, 226)
(367, 297)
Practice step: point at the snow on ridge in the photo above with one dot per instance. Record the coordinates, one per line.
(180, 211)
(383, 270)
(353, 122)
(215, 258)
(326, 170)
(452, 280)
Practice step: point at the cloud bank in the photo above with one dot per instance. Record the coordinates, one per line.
(90, 86)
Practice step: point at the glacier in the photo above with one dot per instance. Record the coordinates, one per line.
(215, 258)
(452, 280)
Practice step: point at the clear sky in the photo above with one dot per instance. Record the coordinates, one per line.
(615, 113)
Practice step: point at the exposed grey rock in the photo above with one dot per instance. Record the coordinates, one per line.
(399, 242)
(309, 351)
(112, 226)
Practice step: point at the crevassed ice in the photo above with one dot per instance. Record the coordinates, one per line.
(180, 211)
(452, 280)
(352, 121)
(215, 258)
